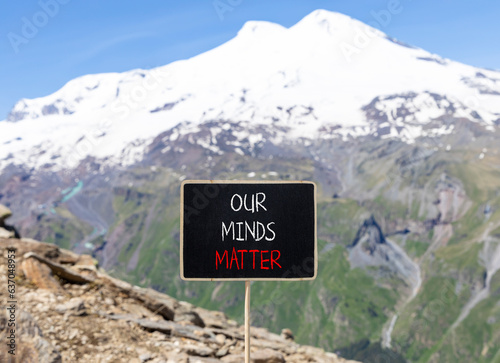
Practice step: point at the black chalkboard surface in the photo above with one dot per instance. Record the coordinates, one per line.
(247, 230)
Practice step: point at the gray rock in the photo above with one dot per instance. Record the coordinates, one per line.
(6, 234)
(168, 327)
(234, 335)
(222, 352)
(221, 338)
(202, 360)
(138, 310)
(262, 356)
(189, 316)
(233, 358)
(4, 214)
(267, 356)
(215, 319)
(311, 351)
(198, 350)
(164, 327)
(146, 357)
(287, 334)
(59, 270)
(40, 275)
(156, 302)
(75, 306)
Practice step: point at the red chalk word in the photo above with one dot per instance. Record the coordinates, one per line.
(260, 259)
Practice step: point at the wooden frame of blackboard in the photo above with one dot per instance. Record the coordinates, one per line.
(246, 182)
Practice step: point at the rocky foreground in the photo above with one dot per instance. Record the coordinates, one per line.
(70, 310)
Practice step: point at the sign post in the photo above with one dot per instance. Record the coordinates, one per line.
(249, 231)
(247, 321)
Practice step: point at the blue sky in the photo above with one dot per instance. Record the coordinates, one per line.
(44, 44)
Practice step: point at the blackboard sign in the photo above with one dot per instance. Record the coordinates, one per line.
(247, 230)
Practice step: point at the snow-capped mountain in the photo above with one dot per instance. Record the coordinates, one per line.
(329, 76)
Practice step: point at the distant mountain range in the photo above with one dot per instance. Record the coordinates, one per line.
(311, 81)
(402, 143)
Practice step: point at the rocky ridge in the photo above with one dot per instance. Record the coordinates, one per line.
(69, 309)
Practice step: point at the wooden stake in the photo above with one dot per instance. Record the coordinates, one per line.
(247, 321)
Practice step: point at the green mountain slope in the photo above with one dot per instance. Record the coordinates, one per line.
(438, 205)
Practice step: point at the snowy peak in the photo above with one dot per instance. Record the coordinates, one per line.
(260, 28)
(262, 53)
(82, 94)
(322, 18)
(338, 25)
(327, 77)
(75, 94)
